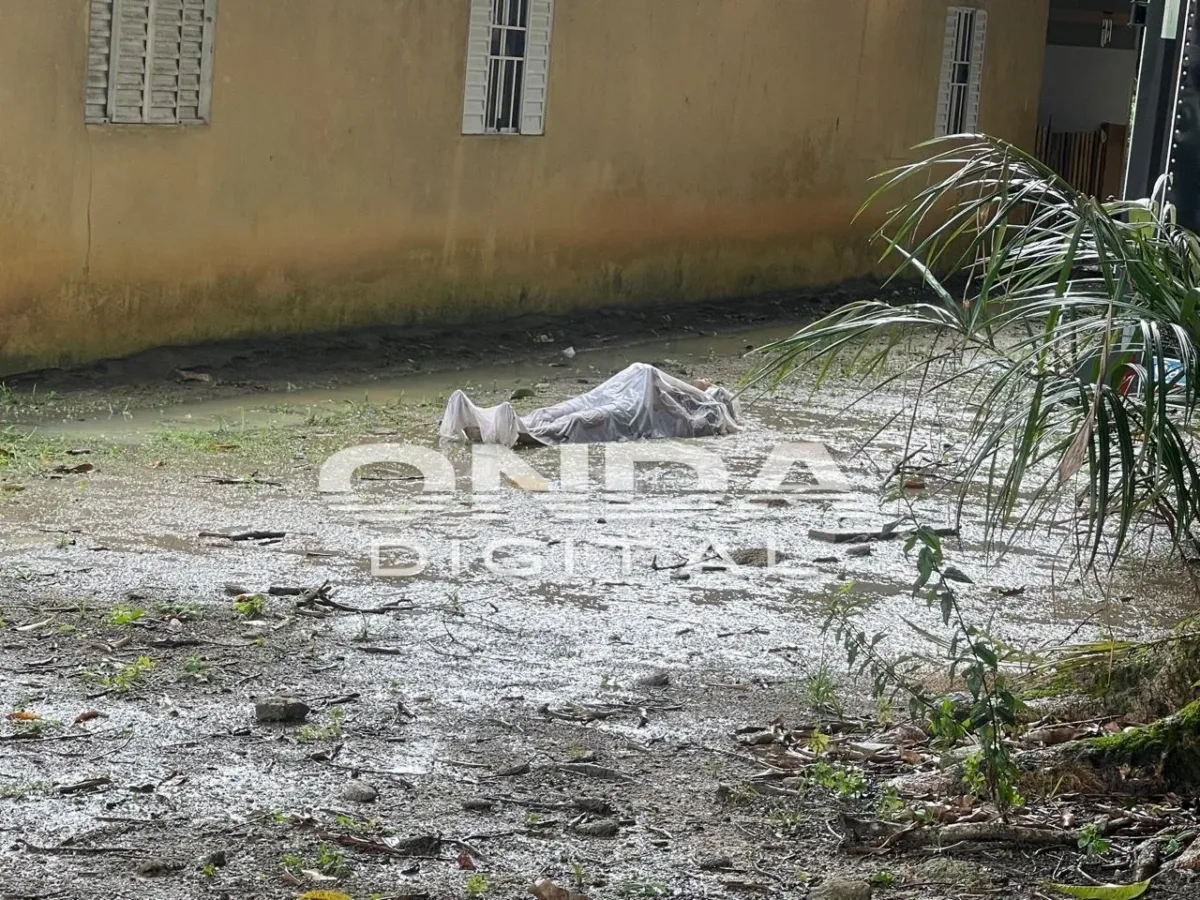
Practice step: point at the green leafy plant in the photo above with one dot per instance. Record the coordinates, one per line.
(331, 861)
(848, 782)
(128, 676)
(818, 741)
(184, 612)
(476, 885)
(1090, 840)
(890, 804)
(1175, 844)
(1072, 338)
(969, 654)
(821, 692)
(123, 616)
(578, 873)
(196, 667)
(250, 606)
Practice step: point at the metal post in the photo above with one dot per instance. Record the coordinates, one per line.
(1184, 151)
(1140, 166)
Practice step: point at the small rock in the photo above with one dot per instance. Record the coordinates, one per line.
(756, 557)
(280, 709)
(521, 393)
(478, 805)
(958, 872)
(716, 862)
(603, 828)
(569, 353)
(905, 735)
(657, 679)
(858, 550)
(149, 868)
(218, 858)
(360, 792)
(841, 889)
(597, 805)
(1147, 861)
(680, 576)
(923, 784)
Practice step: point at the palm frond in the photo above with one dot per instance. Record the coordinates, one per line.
(1079, 318)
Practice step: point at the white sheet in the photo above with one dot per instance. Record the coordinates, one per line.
(640, 402)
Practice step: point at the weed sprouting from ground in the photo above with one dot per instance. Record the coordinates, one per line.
(331, 730)
(128, 676)
(23, 790)
(970, 654)
(821, 691)
(328, 861)
(250, 606)
(1091, 840)
(123, 616)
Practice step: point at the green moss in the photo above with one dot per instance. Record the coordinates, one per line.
(1170, 746)
(1143, 680)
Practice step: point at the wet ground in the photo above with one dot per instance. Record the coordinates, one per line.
(556, 687)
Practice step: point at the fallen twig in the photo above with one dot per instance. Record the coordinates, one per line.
(248, 480)
(862, 537)
(594, 771)
(384, 772)
(88, 784)
(253, 535)
(914, 834)
(80, 851)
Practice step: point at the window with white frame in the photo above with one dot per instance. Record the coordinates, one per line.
(962, 69)
(508, 66)
(150, 61)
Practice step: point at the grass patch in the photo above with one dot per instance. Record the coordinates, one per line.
(24, 451)
(329, 731)
(124, 616)
(128, 676)
(250, 606)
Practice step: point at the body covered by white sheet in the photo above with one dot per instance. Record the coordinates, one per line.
(640, 402)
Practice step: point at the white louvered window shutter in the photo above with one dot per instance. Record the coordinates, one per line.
(100, 31)
(962, 70)
(537, 66)
(475, 98)
(508, 66)
(158, 64)
(979, 44)
(943, 104)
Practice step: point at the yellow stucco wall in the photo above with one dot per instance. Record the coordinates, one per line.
(693, 148)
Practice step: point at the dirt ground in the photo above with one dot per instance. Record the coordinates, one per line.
(167, 562)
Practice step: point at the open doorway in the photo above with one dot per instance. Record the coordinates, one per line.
(1087, 93)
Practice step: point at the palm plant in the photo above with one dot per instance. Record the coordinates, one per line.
(1072, 322)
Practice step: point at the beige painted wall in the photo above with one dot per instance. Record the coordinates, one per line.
(693, 148)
